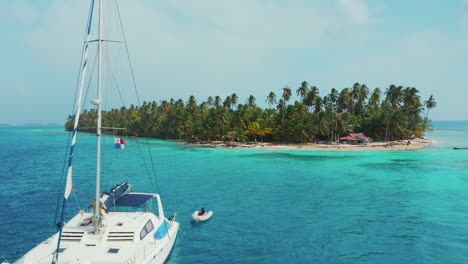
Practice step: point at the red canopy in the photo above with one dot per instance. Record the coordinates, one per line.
(353, 136)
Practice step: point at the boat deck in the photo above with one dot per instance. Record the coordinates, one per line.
(125, 237)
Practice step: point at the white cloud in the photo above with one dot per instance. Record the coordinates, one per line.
(355, 11)
(217, 30)
(203, 47)
(210, 47)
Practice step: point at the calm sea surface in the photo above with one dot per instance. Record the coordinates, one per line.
(269, 206)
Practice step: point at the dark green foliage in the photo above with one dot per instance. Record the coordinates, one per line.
(392, 115)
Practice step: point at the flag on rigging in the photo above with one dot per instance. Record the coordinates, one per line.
(119, 143)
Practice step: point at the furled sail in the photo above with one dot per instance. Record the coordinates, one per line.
(69, 183)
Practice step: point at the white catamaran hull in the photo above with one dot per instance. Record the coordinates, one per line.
(79, 245)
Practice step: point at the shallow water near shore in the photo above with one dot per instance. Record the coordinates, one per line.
(269, 206)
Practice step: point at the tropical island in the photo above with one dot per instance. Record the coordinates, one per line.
(396, 118)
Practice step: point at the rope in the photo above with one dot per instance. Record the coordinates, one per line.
(82, 195)
(152, 166)
(78, 203)
(118, 90)
(154, 184)
(128, 53)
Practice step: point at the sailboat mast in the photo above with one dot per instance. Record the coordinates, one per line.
(97, 220)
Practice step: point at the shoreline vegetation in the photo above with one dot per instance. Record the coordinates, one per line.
(390, 119)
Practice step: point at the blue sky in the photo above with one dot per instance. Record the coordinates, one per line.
(210, 47)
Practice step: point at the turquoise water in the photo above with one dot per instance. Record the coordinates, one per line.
(270, 206)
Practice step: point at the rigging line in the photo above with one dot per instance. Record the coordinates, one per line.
(151, 179)
(146, 167)
(59, 194)
(152, 164)
(128, 54)
(136, 90)
(118, 90)
(90, 79)
(78, 203)
(82, 195)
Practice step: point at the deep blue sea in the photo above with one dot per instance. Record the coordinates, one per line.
(269, 206)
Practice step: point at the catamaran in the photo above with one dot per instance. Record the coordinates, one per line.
(106, 234)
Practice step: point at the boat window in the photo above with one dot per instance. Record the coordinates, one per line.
(62, 249)
(149, 226)
(146, 229)
(143, 233)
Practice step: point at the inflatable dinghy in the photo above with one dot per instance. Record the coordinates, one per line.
(203, 217)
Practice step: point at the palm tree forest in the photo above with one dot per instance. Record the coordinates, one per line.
(394, 114)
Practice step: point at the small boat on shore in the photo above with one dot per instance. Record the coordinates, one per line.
(459, 148)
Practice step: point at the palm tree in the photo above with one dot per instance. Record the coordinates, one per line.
(394, 96)
(341, 124)
(217, 102)
(302, 90)
(286, 94)
(192, 104)
(430, 103)
(234, 100)
(354, 97)
(333, 95)
(255, 129)
(227, 102)
(281, 107)
(251, 101)
(210, 101)
(204, 107)
(375, 97)
(344, 100)
(410, 97)
(355, 91)
(363, 94)
(318, 104)
(311, 97)
(271, 99)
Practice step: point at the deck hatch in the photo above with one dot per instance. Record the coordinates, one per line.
(72, 235)
(113, 250)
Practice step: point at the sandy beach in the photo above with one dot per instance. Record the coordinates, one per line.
(399, 145)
